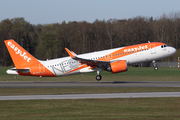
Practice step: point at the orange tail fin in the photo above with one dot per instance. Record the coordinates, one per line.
(19, 55)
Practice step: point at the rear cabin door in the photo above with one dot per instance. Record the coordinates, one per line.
(41, 68)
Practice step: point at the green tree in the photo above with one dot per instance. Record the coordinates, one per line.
(49, 46)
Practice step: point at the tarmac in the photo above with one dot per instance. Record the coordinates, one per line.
(89, 84)
(92, 96)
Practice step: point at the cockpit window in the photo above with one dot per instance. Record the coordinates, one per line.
(163, 46)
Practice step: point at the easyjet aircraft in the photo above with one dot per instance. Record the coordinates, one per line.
(113, 60)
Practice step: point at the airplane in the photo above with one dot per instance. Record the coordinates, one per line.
(114, 60)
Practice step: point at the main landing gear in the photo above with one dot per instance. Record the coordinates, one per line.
(98, 77)
(154, 65)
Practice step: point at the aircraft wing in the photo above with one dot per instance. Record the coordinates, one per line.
(92, 63)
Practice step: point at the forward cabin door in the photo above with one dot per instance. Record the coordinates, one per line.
(153, 49)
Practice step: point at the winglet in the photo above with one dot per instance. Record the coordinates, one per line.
(74, 53)
(70, 53)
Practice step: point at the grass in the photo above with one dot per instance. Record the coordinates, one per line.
(133, 74)
(91, 109)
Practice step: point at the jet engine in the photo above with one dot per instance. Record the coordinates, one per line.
(118, 66)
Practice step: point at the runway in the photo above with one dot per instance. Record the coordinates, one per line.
(92, 96)
(88, 84)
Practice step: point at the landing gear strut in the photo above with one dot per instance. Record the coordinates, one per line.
(154, 65)
(98, 77)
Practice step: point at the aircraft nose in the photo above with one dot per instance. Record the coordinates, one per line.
(172, 50)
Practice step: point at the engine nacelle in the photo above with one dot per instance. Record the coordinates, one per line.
(118, 66)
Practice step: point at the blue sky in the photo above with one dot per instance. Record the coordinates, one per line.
(57, 11)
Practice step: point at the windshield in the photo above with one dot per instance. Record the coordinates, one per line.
(163, 46)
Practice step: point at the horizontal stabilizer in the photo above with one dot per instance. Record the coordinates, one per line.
(26, 70)
(15, 71)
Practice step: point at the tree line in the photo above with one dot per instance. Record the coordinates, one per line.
(47, 41)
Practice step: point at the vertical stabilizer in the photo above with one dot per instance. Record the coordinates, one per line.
(19, 55)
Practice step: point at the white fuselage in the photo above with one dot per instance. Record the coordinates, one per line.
(62, 66)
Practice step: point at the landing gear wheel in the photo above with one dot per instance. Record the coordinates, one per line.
(98, 77)
(156, 68)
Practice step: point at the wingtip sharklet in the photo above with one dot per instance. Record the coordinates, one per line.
(69, 52)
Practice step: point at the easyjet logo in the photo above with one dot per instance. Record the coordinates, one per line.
(18, 51)
(136, 48)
